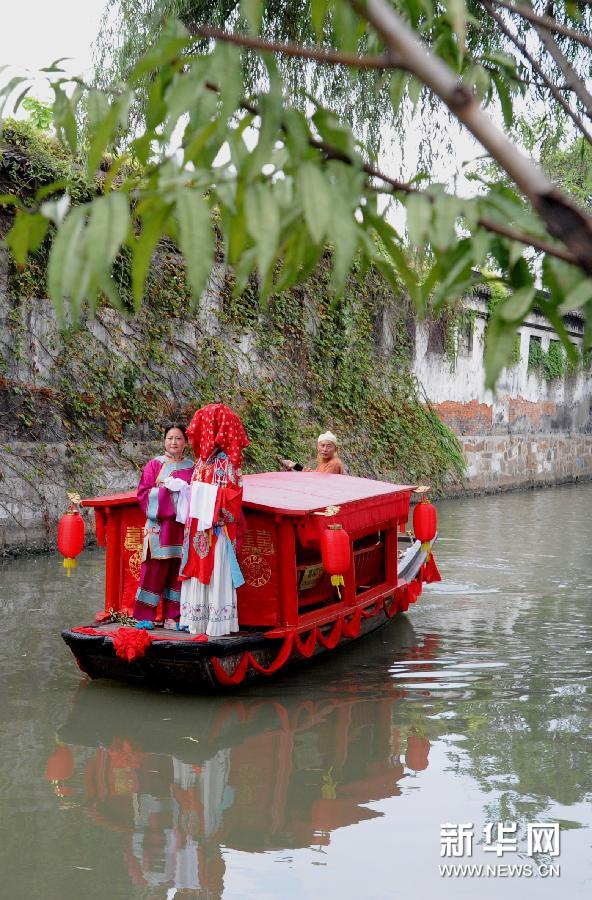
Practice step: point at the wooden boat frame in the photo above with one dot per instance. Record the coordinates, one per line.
(288, 609)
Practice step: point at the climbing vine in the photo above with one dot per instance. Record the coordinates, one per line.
(498, 293)
(302, 364)
(550, 364)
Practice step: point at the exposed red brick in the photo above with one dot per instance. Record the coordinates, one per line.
(466, 418)
(533, 412)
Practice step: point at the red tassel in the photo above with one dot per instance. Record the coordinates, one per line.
(306, 648)
(333, 637)
(237, 676)
(352, 628)
(280, 659)
(430, 571)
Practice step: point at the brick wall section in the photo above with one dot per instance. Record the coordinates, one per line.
(526, 413)
(510, 461)
(466, 418)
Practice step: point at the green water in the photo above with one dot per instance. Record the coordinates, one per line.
(474, 708)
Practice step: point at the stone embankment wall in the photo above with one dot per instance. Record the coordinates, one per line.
(81, 408)
(535, 430)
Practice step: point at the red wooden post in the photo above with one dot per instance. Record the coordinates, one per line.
(287, 584)
(349, 579)
(390, 552)
(113, 567)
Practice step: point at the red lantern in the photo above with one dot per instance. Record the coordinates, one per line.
(418, 749)
(60, 765)
(336, 554)
(70, 537)
(425, 525)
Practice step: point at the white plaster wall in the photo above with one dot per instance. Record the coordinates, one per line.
(465, 382)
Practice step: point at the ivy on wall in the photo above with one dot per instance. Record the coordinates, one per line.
(302, 365)
(549, 364)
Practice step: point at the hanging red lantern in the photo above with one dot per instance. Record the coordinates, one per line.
(71, 534)
(418, 749)
(60, 765)
(425, 524)
(336, 554)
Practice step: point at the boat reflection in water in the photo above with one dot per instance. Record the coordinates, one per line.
(182, 777)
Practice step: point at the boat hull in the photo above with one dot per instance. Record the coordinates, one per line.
(180, 662)
(188, 666)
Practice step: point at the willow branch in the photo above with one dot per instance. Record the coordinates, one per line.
(331, 152)
(316, 54)
(525, 12)
(401, 187)
(536, 66)
(528, 240)
(562, 217)
(572, 78)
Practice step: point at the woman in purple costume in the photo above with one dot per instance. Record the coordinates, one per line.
(163, 535)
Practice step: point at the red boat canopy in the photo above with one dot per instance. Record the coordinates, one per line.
(299, 493)
(293, 493)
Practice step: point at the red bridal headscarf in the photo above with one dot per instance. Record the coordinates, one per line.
(218, 426)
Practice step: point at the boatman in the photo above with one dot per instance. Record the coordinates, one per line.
(328, 461)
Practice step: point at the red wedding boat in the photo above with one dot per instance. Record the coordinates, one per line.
(289, 609)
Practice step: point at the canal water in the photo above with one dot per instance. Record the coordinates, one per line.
(458, 735)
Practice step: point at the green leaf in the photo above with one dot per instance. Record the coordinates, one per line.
(172, 41)
(64, 116)
(297, 133)
(577, 297)
(344, 235)
(346, 22)
(419, 216)
(390, 250)
(415, 89)
(456, 273)
(499, 345)
(104, 129)
(141, 148)
(399, 82)
(66, 262)
(196, 238)
(263, 225)
(106, 231)
(7, 90)
(55, 65)
(457, 16)
(252, 10)
(270, 109)
(517, 305)
(26, 235)
(318, 14)
(153, 217)
(316, 199)
(109, 288)
(480, 78)
(21, 97)
(505, 99)
(446, 211)
(334, 132)
(554, 317)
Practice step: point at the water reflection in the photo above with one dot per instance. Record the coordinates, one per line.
(475, 708)
(179, 783)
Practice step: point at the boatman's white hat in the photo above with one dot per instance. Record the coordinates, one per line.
(327, 436)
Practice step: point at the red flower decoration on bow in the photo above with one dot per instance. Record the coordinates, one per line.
(131, 643)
